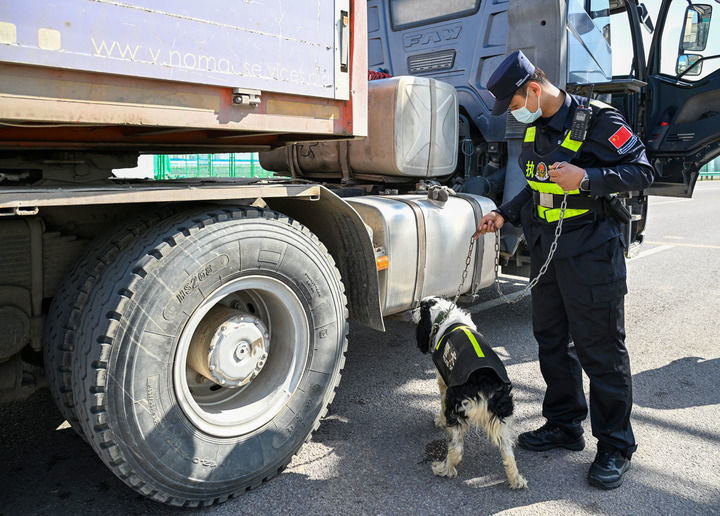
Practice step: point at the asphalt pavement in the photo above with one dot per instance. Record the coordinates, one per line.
(372, 453)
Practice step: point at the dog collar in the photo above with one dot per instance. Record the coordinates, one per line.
(436, 326)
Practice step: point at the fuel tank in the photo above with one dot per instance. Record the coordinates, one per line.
(412, 133)
(427, 244)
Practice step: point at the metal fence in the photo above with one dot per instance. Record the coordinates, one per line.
(710, 170)
(177, 166)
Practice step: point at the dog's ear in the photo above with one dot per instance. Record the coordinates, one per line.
(424, 327)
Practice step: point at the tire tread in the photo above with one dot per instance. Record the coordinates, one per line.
(90, 374)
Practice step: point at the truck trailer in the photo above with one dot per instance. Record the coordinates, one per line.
(193, 332)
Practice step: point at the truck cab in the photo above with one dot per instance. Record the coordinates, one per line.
(657, 62)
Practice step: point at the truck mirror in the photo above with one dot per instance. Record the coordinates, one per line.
(645, 19)
(696, 28)
(689, 64)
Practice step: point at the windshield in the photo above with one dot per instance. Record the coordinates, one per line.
(589, 55)
(417, 12)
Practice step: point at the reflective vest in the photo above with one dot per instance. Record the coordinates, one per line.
(461, 351)
(537, 167)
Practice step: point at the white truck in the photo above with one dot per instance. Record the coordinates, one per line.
(193, 332)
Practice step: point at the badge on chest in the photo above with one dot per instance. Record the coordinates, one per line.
(541, 172)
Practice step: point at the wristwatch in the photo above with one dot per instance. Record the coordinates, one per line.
(585, 183)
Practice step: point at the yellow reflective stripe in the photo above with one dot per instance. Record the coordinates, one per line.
(552, 188)
(441, 338)
(571, 144)
(530, 134)
(473, 341)
(553, 214)
(440, 341)
(470, 336)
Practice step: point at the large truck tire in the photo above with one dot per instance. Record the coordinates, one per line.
(208, 352)
(71, 297)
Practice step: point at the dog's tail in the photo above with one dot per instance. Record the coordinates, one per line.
(500, 402)
(498, 394)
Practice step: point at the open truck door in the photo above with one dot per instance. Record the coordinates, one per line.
(683, 101)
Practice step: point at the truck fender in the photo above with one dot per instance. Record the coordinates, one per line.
(340, 228)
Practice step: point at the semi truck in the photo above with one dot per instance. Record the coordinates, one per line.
(193, 332)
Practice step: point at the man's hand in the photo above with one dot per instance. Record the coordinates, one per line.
(566, 176)
(493, 221)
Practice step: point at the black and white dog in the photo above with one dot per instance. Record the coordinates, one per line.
(474, 387)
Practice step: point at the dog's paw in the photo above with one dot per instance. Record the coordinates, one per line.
(441, 469)
(518, 483)
(440, 420)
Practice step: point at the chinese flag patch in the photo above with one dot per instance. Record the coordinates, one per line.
(620, 137)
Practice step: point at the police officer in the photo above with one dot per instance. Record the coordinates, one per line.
(578, 305)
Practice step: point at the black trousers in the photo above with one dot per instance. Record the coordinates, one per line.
(579, 324)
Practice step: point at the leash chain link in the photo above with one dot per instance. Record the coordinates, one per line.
(543, 269)
(468, 259)
(444, 315)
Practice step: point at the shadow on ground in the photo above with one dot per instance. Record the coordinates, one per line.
(372, 453)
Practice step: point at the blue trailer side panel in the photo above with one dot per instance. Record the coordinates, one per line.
(286, 46)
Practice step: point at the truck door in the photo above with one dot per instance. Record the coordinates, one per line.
(683, 109)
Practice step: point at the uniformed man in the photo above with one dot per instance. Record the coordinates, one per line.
(578, 305)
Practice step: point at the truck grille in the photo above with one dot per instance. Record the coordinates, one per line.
(423, 63)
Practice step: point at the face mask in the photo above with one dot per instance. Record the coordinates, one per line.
(524, 115)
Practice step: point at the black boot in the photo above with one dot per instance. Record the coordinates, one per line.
(550, 436)
(608, 468)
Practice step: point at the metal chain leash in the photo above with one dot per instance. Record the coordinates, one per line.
(468, 259)
(543, 269)
(453, 304)
(530, 285)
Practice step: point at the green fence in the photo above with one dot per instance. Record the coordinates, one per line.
(711, 170)
(176, 166)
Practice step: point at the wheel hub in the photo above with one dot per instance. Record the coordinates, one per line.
(238, 350)
(229, 347)
(263, 308)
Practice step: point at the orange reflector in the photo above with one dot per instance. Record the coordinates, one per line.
(383, 262)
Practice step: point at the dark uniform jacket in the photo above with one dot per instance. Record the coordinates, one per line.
(613, 165)
(461, 351)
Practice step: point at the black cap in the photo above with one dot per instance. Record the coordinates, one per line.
(507, 78)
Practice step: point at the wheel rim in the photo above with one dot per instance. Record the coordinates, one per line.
(228, 412)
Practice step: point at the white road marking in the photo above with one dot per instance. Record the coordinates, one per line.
(663, 203)
(680, 244)
(650, 252)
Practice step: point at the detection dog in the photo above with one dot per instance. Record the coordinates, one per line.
(474, 388)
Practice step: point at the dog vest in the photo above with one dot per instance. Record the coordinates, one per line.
(537, 171)
(461, 351)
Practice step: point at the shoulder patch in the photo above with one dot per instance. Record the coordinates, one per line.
(620, 137)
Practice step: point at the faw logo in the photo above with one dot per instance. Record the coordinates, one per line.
(430, 37)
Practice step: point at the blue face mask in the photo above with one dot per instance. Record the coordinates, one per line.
(524, 115)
